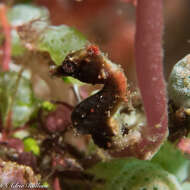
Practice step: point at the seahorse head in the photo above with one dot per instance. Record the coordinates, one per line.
(86, 64)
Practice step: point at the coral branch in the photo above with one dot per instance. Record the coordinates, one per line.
(7, 31)
(150, 78)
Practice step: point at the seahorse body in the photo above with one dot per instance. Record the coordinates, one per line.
(95, 115)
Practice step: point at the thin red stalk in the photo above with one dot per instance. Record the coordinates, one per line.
(8, 122)
(56, 184)
(149, 57)
(8, 125)
(7, 31)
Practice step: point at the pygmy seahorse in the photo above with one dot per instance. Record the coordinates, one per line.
(98, 114)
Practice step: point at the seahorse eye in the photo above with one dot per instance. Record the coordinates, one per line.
(69, 67)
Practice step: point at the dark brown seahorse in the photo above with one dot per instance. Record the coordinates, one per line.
(95, 115)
